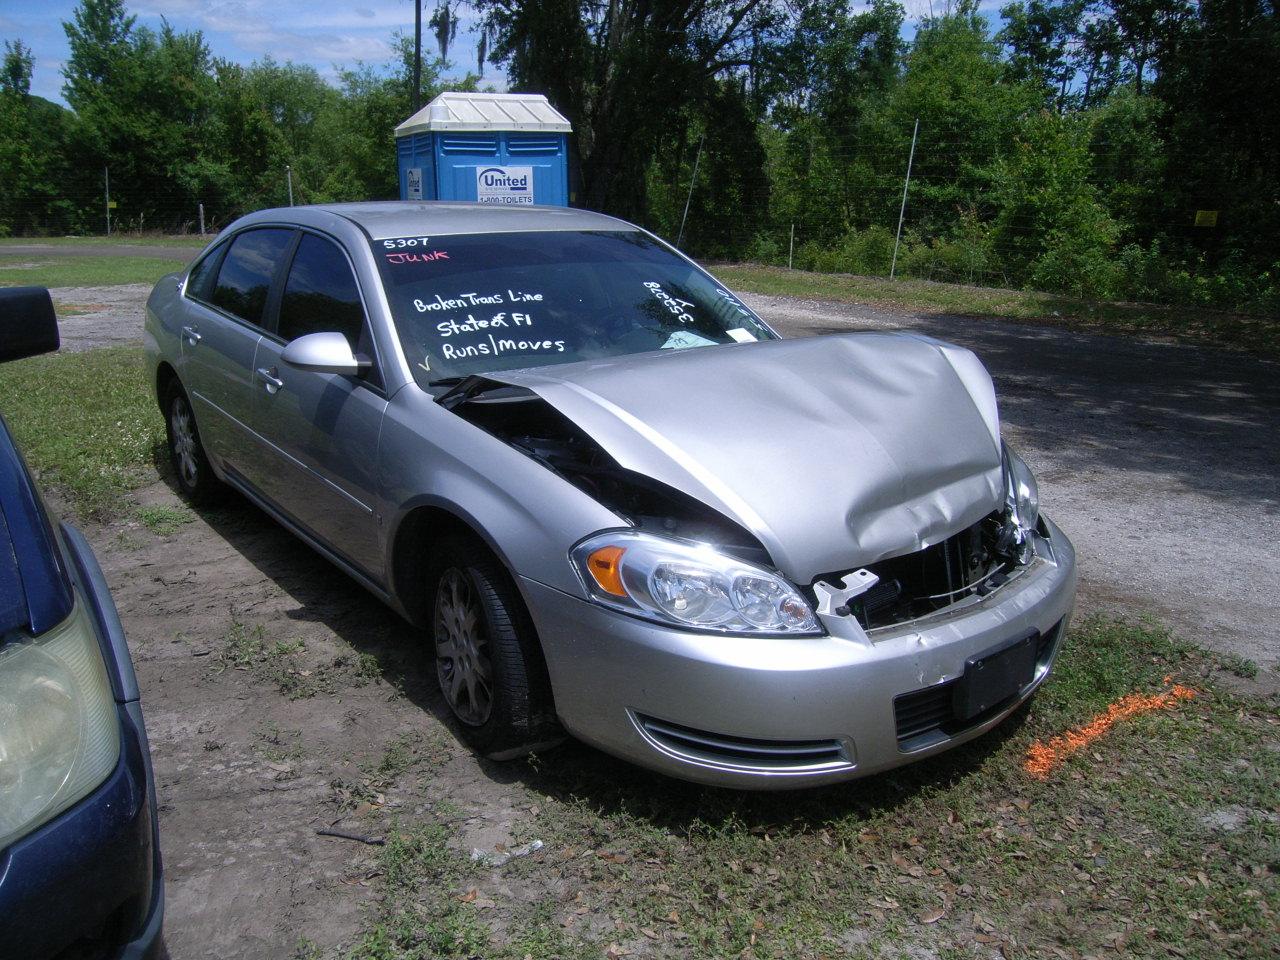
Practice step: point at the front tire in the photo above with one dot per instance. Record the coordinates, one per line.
(186, 452)
(488, 659)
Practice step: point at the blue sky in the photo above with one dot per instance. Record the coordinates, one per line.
(324, 33)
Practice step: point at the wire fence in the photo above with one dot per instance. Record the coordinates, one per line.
(941, 222)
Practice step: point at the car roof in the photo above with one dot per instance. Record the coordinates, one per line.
(406, 218)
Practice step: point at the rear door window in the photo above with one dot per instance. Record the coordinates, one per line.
(244, 281)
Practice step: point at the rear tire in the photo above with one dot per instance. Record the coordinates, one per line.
(488, 658)
(186, 452)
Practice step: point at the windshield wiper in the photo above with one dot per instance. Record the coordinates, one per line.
(445, 382)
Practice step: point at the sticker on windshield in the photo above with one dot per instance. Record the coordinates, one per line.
(686, 338)
(742, 335)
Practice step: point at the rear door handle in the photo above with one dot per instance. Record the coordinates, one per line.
(269, 378)
(192, 335)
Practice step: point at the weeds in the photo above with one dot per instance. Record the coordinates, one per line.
(276, 745)
(1159, 837)
(163, 520)
(284, 664)
(86, 422)
(1239, 666)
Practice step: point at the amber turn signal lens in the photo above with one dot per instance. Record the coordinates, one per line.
(605, 565)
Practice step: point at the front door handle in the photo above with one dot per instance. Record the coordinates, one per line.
(192, 335)
(269, 379)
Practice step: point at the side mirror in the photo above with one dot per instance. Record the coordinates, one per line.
(322, 353)
(28, 325)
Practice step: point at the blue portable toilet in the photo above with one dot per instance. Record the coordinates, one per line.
(502, 148)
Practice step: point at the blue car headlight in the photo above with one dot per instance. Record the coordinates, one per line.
(691, 585)
(59, 732)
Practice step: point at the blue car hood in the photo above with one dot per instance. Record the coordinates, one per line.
(34, 592)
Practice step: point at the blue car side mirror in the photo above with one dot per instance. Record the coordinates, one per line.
(28, 325)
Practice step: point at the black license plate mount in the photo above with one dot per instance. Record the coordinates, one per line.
(995, 675)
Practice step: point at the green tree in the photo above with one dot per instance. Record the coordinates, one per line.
(140, 95)
(969, 111)
(1051, 230)
(36, 147)
(623, 72)
(1220, 82)
(1042, 38)
(730, 199)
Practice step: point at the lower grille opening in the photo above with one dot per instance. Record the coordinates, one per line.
(925, 717)
(969, 563)
(742, 752)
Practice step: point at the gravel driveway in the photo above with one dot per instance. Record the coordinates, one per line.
(1159, 460)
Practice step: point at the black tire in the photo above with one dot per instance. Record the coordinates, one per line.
(509, 712)
(191, 467)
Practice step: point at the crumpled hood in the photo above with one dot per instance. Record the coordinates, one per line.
(834, 451)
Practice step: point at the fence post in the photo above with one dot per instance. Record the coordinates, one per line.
(692, 181)
(902, 210)
(791, 247)
(202, 219)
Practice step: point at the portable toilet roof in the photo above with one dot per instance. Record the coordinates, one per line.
(456, 112)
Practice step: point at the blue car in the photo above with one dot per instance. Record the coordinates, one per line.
(79, 853)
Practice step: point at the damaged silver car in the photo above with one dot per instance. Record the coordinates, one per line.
(614, 501)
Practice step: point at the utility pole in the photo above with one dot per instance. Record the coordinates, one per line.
(902, 210)
(288, 177)
(692, 181)
(106, 184)
(791, 247)
(417, 55)
(202, 219)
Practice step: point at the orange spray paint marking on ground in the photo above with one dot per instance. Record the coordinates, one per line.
(1043, 757)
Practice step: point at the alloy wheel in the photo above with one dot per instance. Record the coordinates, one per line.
(463, 661)
(183, 429)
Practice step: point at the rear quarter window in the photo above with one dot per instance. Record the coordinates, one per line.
(200, 280)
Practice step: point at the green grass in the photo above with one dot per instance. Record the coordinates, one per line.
(86, 422)
(185, 241)
(90, 271)
(1254, 333)
(164, 520)
(1116, 853)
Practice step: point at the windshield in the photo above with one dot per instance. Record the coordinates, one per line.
(486, 302)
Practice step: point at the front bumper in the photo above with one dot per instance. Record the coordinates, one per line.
(779, 713)
(87, 883)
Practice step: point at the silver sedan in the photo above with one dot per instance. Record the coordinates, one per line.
(616, 502)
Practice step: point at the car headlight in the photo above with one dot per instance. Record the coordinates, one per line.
(690, 585)
(1022, 496)
(59, 733)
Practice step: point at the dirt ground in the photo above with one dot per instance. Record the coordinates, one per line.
(247, 775)
(281, 699)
